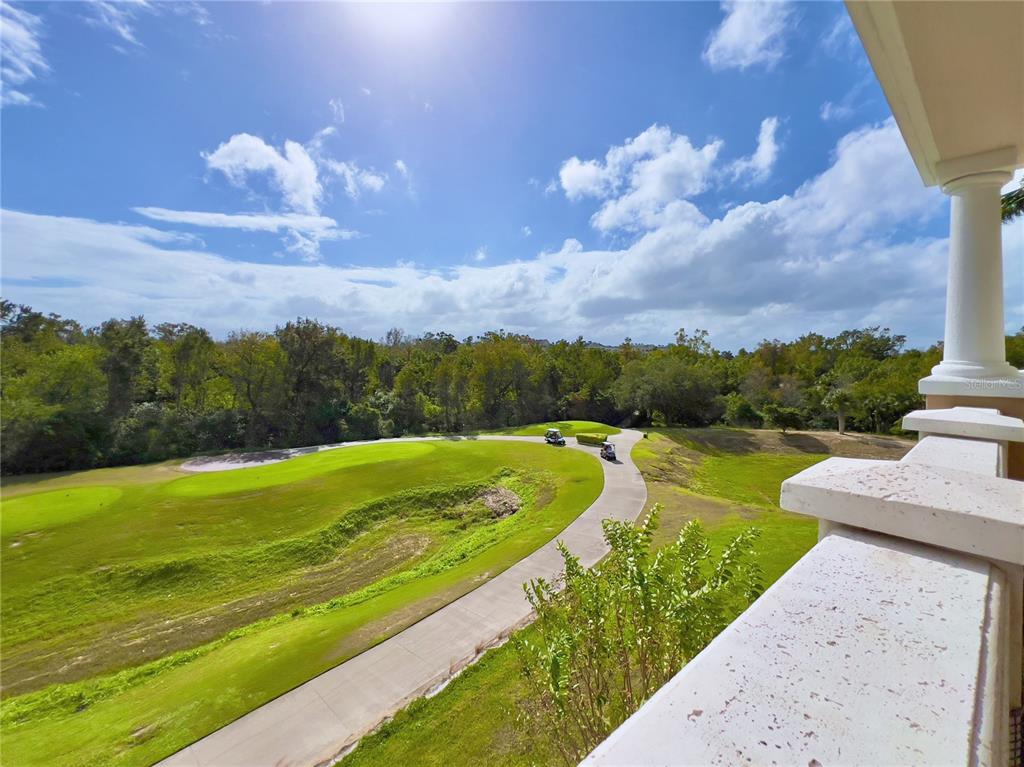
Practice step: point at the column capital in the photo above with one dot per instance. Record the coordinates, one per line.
(989, 178)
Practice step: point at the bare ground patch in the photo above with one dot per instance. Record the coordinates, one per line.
(743, 441)
(155, 635)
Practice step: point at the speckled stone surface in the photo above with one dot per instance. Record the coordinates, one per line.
(974, 422)
(865, 653)
(962, 510)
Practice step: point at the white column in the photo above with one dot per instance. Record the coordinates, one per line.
(975, 345)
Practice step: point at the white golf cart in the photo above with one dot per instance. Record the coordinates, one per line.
(554, 437)
(608, 451)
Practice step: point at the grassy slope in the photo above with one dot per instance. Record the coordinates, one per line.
(141, 714)
(568, 428)
(738, 474)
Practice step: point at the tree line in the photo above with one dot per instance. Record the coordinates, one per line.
(127, 392)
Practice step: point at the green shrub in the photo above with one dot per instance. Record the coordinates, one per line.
(782, 417)
(739, 412)
(591, 438)
(618, 632)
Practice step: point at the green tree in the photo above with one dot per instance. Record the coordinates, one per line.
(188, 356)
(126, 344)
(840, 401)
(255, 365)
(739, 411)
(313, 374)
(780, 417)
(53, 411)
(1012, 203)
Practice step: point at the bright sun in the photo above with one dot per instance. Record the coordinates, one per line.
(401, 23)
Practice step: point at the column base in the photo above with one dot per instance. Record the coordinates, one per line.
(1010, 402)
(963, 379)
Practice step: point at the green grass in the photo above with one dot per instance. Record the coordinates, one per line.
(84, 575)
(472, 722)
(482, 704)
(294, 470)
(57, 507)
(568, 429)
(753, 480)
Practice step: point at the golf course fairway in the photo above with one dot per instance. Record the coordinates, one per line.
(145, 607)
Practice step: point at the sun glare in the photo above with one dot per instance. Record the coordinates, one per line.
(401, 23)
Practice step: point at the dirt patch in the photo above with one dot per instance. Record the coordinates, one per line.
(669, 458)
(377, 631)
(153, 635)
(501, 502)
(716, 441)
(679, 506)
(668, 461)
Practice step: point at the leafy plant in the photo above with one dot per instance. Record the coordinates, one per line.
(616, 633)
(782, 417)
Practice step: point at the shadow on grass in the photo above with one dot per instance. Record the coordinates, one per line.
(715, 441)
(805, 443)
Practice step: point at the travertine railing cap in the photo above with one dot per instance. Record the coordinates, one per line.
(975, 422)
(959, 510)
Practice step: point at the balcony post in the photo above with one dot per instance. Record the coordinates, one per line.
(975, 345)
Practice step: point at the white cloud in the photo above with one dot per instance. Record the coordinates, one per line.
(406, 173)
(118, 17)
(753, 32)
(640, 179)
(293, 172)
(758, 166)
(321, 226)
(841, 40)
(302, 233)
(480, 254)
(338, 110)
(121, 16)
(366, 91)
(582, 178)
(299, 173)
(831, 111)
(842, 250)
(527, 231)
(357, 180)
(849, 104)
(21, 54)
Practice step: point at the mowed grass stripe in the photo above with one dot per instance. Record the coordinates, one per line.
(35, 513)
(295, 469)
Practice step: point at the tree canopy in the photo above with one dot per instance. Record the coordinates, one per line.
(129, 392)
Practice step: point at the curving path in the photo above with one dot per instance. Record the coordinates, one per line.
(320, 720)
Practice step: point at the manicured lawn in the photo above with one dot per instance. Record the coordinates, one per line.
(568, 428)
(266, 577)
(726, 478)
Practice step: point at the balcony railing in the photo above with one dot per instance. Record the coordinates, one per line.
(895, 640)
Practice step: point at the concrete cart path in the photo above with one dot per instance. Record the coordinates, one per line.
(317, 721)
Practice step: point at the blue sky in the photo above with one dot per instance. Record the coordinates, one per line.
(607, 169)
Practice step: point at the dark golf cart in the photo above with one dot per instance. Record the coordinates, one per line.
(554, 437)
(608, 451)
